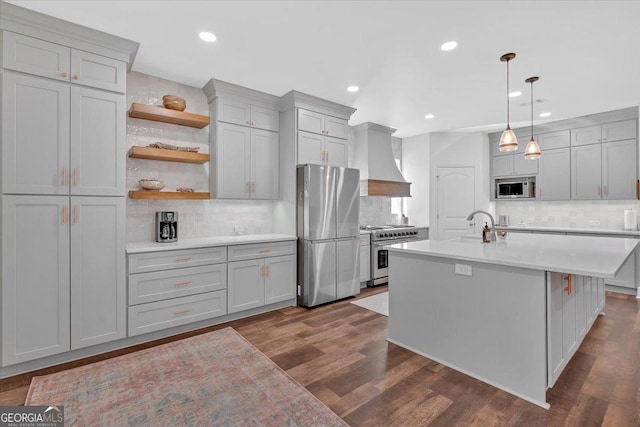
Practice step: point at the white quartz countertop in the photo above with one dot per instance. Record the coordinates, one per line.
(584, 255)
(204, 242)
(605, 231)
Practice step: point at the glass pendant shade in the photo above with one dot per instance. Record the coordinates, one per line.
(508, 140)
(532, 151)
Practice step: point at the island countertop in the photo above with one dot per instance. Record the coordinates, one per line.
(583, 255)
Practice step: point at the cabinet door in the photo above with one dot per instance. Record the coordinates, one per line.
(35, 135)
(233, 161)
(98, 71)
(555, 354)
(336, 153)
(586, 135)
(246, 284)
(336, 128)
(619, 165)
(231, 110)
(280, 279)
(265, 118)
(618, 131)
(97, 142)
(523, 166)
(365, 263)
(581, 319)
(502, 165)
(554, 179)
(554, 140)
(265, 170)
(310, 121)
(586, 172)
(98, 274)
(34, 56)
(35, 277)
(310, 148)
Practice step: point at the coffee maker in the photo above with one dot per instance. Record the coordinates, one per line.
(166, 227)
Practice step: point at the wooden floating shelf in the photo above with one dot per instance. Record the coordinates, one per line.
(160, 114)
(167, 155)
(168, 195)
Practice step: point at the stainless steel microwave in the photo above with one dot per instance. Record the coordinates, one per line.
(516, 188)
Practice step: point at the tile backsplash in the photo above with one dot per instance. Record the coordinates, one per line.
(197, 218)
(569, 214)
(376, 211)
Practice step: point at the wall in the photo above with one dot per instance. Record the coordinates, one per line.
(416, 169)
(196, 218)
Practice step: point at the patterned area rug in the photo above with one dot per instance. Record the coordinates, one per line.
(217, 378)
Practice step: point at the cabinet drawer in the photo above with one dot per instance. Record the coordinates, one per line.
(260, 250)
(162, 285)
(157, 261)
(160, 315)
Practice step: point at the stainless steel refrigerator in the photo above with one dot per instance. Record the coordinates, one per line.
(328, 233)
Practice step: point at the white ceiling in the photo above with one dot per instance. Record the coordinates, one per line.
(587, 53)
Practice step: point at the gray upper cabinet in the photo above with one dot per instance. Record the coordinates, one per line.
(608, 132)
(586, 172)
(310, 121)
(236, 111)
(513, 165)
(553, 140)
(586, 135)
(34, 56)
(619, 170)
(554, 178)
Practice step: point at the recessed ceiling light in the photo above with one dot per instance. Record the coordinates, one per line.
(449, 45)
(353, 88)
(547, 114)
(515, 93)
(207, 36)
(429, 116)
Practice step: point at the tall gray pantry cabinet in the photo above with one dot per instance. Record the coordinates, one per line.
(63, 186)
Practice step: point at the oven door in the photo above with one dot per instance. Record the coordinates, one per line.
(380, 261)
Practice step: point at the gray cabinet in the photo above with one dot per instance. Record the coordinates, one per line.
(604, 171)
(61, 140)
(608, 132)
(233, 110)
(365, 258)
(34, 56)
(324, 150)
(311, 121)
(513, 165)
(258, 277)
(554, 176)
(554, 140)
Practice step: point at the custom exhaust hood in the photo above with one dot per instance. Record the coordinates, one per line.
(372, 154)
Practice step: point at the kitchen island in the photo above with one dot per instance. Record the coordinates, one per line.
(510, 313)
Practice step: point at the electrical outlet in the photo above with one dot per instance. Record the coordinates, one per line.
(238, 229)
(464, 269)
(299, 290)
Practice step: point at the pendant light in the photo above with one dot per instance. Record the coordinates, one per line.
(532, 151)
(508, 140)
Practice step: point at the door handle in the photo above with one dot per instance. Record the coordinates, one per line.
(75, 177)
(569, 288)
(64, 175)
(64, 214)
(75, 214)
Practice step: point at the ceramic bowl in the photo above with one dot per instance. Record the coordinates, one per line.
(174, 103)
(151, 184)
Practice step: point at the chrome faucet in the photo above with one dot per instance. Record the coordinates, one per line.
(492, 233)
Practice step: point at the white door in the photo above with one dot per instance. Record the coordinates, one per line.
(336, 152)
(246, 284)
(455, 200)
(35, 135)
(233, 161)
(280, 279)
(265, 156)
(310, 148)
(97, 142)
(98, 277)
(35, 277)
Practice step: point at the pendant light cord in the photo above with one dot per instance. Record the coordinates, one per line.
(507, 94)
(531, 109)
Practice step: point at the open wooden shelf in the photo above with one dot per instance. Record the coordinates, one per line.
(168, 195)
(167, 155)
(160, 114)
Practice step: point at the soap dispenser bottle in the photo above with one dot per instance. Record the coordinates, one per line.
(486, 233)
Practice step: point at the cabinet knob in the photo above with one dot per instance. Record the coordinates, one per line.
(247, 122)
(64, 74)
(253, 123)
(76, 77)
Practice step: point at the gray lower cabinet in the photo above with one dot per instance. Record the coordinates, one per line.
(176, 287)
(259, 274)
(63, 274)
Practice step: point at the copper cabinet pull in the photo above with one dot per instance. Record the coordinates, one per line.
(184, 283)
(64, 214)
(75, 214)
(185, 259)
(268, 270)
(247, 122)
(75, 176)
(265, 251)
(76, 77)
(64, 74)
(179, 312)
(262, 271)
(569, 287)
(253, 123)
(64, 175)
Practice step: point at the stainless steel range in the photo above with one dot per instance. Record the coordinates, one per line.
(382, 235)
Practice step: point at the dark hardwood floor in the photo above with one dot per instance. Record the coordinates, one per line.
(339, 352)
